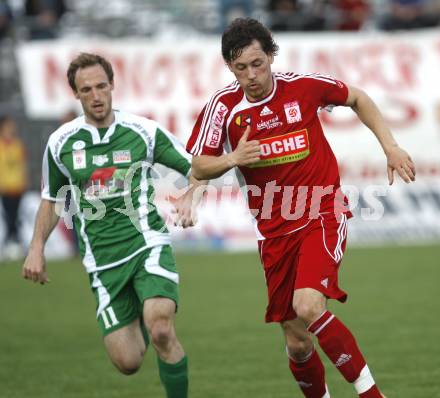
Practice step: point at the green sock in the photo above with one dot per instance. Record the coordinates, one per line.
(174, 377)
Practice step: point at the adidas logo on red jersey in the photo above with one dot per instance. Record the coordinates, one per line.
(266, 111)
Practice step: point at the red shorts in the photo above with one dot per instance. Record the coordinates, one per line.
(309, 257)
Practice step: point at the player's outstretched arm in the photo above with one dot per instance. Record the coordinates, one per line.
(246, 153)
(34, 267)
(397, 159)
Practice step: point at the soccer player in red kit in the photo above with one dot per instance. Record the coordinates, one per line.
(267, 123)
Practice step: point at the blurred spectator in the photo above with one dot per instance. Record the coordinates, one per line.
(5, 18)
(351, 14)
(13, 181)
(409, 14)
(285, 15)
(43, 17)
(231, 9)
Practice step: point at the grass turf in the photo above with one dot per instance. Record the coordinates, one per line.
(50, 345)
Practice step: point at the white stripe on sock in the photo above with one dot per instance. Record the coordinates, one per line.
(364, 382)
(324, 325)
(326, 395)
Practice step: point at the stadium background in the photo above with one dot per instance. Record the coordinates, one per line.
(167, 63)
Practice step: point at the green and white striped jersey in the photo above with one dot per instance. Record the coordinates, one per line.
(109, 172)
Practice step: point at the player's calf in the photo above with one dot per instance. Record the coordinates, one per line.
(304, 361)
(299, 351)
(299, 343)
(341, 347)
(172, 361)
(159, 320)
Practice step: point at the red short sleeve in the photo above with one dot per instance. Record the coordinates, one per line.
(336, 94)
(326, 90)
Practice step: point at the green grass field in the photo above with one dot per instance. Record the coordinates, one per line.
(50, 345)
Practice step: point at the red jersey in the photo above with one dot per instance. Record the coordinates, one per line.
(297, 177)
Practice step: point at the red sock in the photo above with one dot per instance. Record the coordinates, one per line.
(340, 346)
(310, 375)
(373, 392)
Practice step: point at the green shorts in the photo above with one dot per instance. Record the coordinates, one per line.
(121, 291)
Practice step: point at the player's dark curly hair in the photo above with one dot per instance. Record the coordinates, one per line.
(85, 60)
(240, 34)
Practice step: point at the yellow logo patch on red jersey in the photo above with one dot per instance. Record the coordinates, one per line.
(243, 120)
(285, 148)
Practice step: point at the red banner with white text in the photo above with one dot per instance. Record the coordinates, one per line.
(171, 83)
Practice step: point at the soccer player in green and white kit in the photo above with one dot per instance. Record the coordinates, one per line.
(126, 252)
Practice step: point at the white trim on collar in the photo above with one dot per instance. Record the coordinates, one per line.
(264, 100)
(96, 138)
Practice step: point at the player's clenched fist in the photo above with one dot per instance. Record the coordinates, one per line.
(246, 152)
(34, 268)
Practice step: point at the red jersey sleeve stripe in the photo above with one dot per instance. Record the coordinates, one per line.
(289, 77)
(208, 111)
(207, 117)
(204, 128)
(323, 78)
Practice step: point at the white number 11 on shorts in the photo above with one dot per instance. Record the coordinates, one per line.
(109, 317)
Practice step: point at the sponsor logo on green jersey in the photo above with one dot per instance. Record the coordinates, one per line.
(105, 183)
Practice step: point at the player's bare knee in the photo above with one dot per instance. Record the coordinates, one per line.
(127, 366)
(308, 310)
(161, 333)
(299, 350)
(127, 371)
